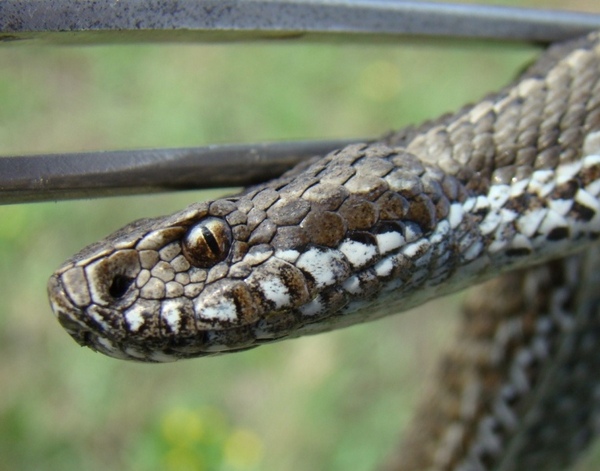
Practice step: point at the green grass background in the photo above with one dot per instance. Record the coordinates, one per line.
(329, 402)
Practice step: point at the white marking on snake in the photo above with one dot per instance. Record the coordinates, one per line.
(566, 172)
(552, 221)
(134, 317)
(521, 242)
(352, 285)
(473, 251)
(593, 188)
(384, 267)
(455, 216)
(469, 204)
(357, 253)
(171, 314)
(274, 290)
(441, 232)
(257, 257)
(98, 318)
(560, 206)
(498, 195)
(490, 222)
(481, 203)
(497, 245)
(163, 357)
(411, 232)
(587, 200)
(411, 250)
(542, 182)
(508, 215)
(322, 264)
(528, 223)
(518, 188)
(223, 310)
(591, 160)
(311, 308)
(389, 241)
(134, 353)
(288, 255)
(109, 346)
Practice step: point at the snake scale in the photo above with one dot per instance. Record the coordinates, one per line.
(506, 187)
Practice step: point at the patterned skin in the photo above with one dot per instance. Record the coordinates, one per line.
(377, 228)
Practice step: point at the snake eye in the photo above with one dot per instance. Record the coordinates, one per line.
(207, 243)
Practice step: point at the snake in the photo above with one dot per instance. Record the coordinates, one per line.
(503, 194)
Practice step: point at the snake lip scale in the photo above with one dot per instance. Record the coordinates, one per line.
(369, 230)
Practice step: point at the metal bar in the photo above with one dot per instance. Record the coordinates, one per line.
(38, 178)
(77, 21)
(96, 174)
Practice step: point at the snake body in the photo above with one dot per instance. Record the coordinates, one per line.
(376, 228)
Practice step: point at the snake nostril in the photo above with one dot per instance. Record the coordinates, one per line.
(119, 286)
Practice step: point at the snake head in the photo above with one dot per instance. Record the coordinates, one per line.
(181, 286)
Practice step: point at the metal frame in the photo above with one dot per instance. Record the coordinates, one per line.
(62, 176)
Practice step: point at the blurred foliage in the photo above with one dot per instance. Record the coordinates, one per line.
(196, 440)
(335, 401)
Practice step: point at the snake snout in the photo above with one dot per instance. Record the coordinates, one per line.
(78, 292)
(67, 313)
(72, 310)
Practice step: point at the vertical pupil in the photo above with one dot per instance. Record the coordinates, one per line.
(212, 243)
(207, 243)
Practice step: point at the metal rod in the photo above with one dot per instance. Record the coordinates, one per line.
(96, 174)
(38, 178)
(76, 21)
